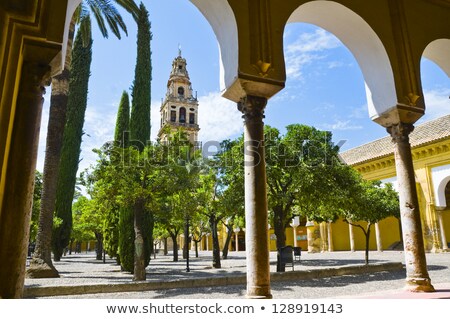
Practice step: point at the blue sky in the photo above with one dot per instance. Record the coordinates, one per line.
(325, 87)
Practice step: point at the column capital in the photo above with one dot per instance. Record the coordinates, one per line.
(252, 107)
(35, 77)
(400, 132)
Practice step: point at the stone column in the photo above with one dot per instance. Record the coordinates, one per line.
(417, 278)
(313, 236)
(330, 237)
(432, 229)
(256, 239)
(323, 237)
(441, 226)
(236, 238)
(18, 196)
(378, 237)
(352, 238)
(294, 228)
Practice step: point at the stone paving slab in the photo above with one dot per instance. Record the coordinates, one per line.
(84, 271)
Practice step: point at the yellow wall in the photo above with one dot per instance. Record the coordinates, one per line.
(340, 235)
(390, 231)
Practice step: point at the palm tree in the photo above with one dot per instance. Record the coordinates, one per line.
(41, 265)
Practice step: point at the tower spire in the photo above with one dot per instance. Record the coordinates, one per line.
(179, 109)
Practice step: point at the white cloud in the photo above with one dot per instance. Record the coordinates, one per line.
(218, 118)
(340, 125)
(335, 64)
(360, 112)
(437, 103)
(99, 126)
(307, 48)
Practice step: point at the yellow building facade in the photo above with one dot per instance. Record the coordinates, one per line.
(375, 161)
(430, 144)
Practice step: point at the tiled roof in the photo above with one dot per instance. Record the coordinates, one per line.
(425, 133)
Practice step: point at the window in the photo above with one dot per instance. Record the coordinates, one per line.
(181, 91)
(191, 118)
(182, 115)
(173, 116)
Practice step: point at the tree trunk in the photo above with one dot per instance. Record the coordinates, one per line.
(165, 247)
(70, 152)
(367, 233)
(186, 240)
(227, 241)
(175, 246)
(279, 226)
(196, 248)
(41, 266)
(215, 239)
(139, 255)
(99, 248)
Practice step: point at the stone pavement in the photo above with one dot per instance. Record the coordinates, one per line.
(323, 275)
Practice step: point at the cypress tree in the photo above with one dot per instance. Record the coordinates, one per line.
(116, 233)
(126, 239)
(121, 137)
(140, 112)
(139, 135)
(73, 131)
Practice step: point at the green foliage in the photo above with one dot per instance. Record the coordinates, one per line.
(126, 239)
(104, 10)
(140, 112)
(370, 203)
(73, 131)
(121, 137)
(373, 202)
(86, 219)
(35, 209)
(303, 174)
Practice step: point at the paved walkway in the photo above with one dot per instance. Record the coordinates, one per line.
(83, 269)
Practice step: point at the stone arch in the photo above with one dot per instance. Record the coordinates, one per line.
(362, 41)
(221, 18)
(182, 115)
(441, 177)
(438, 51)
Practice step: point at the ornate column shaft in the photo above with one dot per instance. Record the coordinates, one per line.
(236, 241)
(256, 239)
(417, 277)
(294, 229)
(330, 237)
(18, 197)
(442, 229)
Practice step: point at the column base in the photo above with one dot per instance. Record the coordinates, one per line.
(258, 292)
(419, 285)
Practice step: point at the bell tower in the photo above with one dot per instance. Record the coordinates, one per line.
(180, 106)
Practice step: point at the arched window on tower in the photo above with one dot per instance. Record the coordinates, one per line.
(181, 91)
(182, 115)
(191, 118)
(173, 116)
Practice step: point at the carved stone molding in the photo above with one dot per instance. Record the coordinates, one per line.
(400, 132)
(252, 107)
